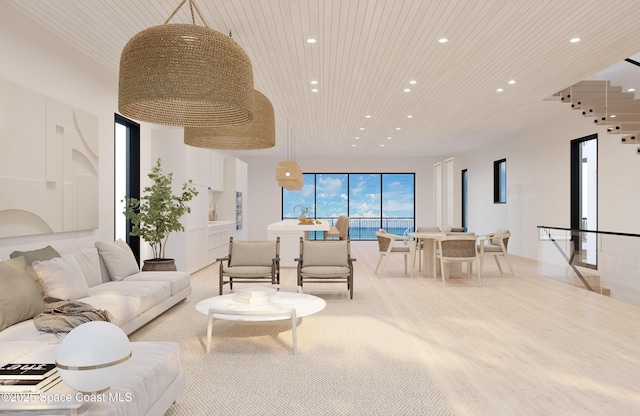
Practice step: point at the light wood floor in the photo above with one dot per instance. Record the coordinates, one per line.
(517, 345)
(523, 345)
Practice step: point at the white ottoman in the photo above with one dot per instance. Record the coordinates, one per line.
(151, 381)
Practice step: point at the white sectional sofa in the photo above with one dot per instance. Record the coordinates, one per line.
(106, 277)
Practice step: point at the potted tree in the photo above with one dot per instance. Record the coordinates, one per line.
(157, 214)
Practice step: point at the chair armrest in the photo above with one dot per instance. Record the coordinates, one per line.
(223, 258)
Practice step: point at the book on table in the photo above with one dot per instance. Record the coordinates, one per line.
(29, 385)
(254, 295)
(26, 371)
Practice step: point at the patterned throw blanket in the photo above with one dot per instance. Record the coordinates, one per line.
(61, 316)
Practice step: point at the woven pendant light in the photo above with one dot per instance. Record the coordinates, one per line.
(185, 75)
(260, 133)
(288, 173)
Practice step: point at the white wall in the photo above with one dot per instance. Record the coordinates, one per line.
(538, 181)
(266, 196)
(40, 62)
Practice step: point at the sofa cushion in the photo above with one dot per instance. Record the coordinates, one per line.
(179, 280)
(325, 253)
(118, 258)
(20, 297)
(89, 261)
(62, 278)
(150, 293)
(45, 253)
(253, 253)
(123, 309)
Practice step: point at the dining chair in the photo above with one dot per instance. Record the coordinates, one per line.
(340, 230)
(457, 249)
(496, 245)
(250, 261)
(387, 246)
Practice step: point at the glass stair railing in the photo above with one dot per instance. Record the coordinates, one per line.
(600, 261)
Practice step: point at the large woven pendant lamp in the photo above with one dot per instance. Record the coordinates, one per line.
(260, 133)
(185, 75)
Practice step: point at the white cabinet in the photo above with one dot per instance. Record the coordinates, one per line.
(218, 239)
(188, 248)
(232, 203)
(216, 171)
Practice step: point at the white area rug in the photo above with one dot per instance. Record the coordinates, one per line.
(353, 357)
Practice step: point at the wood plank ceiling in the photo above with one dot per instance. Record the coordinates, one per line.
(368, 51)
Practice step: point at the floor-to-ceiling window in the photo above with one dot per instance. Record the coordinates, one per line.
(126, 172)
(371, 200)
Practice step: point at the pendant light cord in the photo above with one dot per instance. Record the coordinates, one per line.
(192, 5)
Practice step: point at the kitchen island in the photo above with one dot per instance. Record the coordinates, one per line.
(290, 232)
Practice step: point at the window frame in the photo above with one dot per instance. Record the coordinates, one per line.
(382, 220)
(500, 181)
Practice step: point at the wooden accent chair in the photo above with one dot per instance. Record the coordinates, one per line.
(326, 262)
(250, 261)
(340, 230)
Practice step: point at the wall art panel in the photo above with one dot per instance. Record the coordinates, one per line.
(48, 165)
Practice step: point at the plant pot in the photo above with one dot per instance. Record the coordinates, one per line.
(159, 265)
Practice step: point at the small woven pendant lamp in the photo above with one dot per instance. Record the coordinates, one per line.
(260, 133)
(288, 173)
(185, 75)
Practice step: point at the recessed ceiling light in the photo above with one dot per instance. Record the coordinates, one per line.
(311, 40)
(443, 40)
(511, 82)
(361, 128)
(407, 90)
(314, 82)
(353, 145)
(413, 82)
(389, 138)
(357, 138)
(499, 90)
(575, 40)
(368, 116)
(409, 116)
(631, 90)
(613, 116)
(381, 145)
(314, 90)
(397, 128)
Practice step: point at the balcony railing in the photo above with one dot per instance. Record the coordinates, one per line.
(601, 261)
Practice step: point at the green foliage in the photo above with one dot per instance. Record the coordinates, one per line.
(158, 211)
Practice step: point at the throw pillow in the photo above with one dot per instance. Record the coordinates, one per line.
(118, 258)
(20, 297)
(45, 253)
(62, 278)
(89, 262)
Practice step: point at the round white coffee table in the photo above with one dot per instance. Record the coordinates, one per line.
(279, 306)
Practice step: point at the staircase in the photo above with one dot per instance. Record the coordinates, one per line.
(607, 106)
